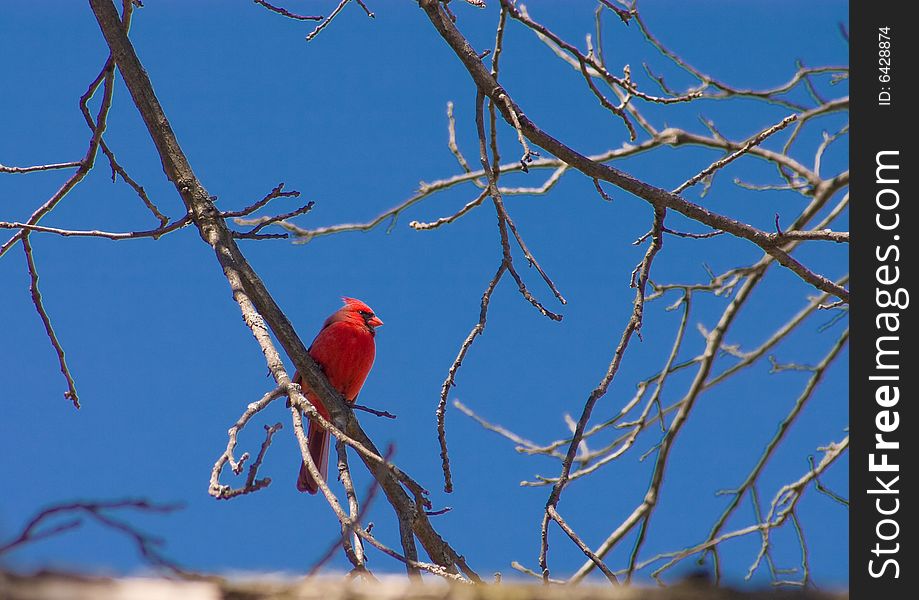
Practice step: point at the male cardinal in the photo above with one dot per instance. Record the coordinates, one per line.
(344, 349)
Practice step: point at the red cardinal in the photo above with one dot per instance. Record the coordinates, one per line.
(344, 349)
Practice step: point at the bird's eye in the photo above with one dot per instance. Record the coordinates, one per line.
(366, 314)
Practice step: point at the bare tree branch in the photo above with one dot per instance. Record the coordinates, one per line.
(246, 284)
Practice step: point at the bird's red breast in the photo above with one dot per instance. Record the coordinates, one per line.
(345, 351)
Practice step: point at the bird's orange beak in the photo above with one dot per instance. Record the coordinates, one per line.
(374, 321)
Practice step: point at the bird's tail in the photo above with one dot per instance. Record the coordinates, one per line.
(317, 441)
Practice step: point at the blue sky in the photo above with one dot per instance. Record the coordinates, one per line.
(354, 120)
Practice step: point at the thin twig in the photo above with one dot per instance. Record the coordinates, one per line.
(152, 233)
(553, 513)
(276, 192)
(98, 511)
(325, 22)
(33, 169)
(419, 226)
(225, 492)
(106, 77)
(632, 327)
(502, 431)
(263, 222)
(718, 164)
(450, 381)
(286, 13)
(71, 393)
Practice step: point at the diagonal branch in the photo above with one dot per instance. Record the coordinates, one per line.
(631, 328)
(657, 197)
(71, 393)
(246, 283)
